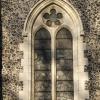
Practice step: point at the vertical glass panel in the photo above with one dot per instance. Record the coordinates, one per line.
(64, 65)
(42, 65)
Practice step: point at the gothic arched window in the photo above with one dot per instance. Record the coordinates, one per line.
(53, 59)
(53, 53)
(42, 67)
(64, 64)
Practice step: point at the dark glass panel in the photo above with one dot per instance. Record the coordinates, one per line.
(57, 22)
(64, 75)
(64, 34)
(64, 86)
(46, 16)
(42, 96)
(42, 44)
(42, 86)
(52, 11)
(65, 96)
(42, 75)
(42, 65)
(64, 44)
(59, 15)
(43, 52)
(64, 64)
(42, 34)
(49, 22)
(66, 54)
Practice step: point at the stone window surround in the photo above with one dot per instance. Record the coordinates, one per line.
(78, 47)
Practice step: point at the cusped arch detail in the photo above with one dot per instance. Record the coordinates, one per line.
(42, 4)
(66, 29)
(78, 52)
(43, 29)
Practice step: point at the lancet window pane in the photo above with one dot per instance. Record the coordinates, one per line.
(42, 65)
(64, 65)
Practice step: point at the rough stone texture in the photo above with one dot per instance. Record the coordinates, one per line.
(89, 11)
(14, 13)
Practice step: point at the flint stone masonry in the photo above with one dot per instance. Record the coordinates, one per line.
(14, 13)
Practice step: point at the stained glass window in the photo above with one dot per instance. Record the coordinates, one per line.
(64, 65)
(43, 82)
(42, 66)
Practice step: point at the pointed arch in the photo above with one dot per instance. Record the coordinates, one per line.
(42, 4)
(64, 64)
(76, 29)
(64, 33)
(42, 33)
(42, 65)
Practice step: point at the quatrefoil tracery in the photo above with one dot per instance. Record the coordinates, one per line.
(52, 18)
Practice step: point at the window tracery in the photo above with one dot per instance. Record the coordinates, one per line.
(52, 18)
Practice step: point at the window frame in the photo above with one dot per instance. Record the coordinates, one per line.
(30, 29)
(53, 33)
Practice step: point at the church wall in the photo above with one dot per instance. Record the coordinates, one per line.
(14, 13)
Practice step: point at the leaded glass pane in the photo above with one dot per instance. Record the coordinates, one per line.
(42, 96)
(64, 75)
(42, 75)
(65, 96)
(42, 86)
(64, 34)
(42, 34)
(43, 55)
(42, 44)
(64, 85)
(66, 54)
(64, 44)
(42, 65)
(64, 65)
(39, 65)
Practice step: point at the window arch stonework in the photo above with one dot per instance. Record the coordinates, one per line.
(68, 19)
